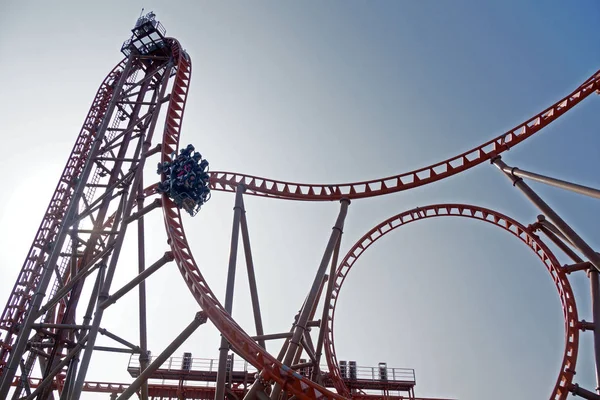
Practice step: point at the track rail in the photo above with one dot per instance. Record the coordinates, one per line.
(246, 347)
(272, 369)
(194, 392)
(228, 181)
(29, 276)
(565, 377)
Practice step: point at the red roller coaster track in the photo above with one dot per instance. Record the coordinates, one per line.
(523, 233)
(22, 302)
(228, 181)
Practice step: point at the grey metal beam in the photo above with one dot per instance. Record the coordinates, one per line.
(162, 357)
(235, 233)
(562, 226)
(573, 187)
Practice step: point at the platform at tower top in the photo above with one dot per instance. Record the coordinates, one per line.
(204, 370)
(148, 35)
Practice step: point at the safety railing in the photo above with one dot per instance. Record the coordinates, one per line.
(349, 370)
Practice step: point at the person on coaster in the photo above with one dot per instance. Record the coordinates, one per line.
(187, 179)
(203, 167)
(188, 166)
(189, 204)
(187, 151)
(163, 168)
(190, 181)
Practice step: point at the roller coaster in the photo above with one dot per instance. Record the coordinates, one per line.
(101, 193)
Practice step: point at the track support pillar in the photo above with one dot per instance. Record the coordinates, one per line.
(573, 187)
(312, 297)
(40, 291)
(562, 226)
(200, 319)
(252, 278)
(595, 295)
(238, 210)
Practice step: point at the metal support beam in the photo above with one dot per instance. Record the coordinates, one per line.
(586, 394)
(59, 326)
(302, 365)
(24, 382)
(252, 278)
(550, 226)
(585, 326)
(143, 211)
(70, 378)
(118, 339)
(311, 299)
(103, 295)
(154, 150)
(235, 233)
(200, 319)
(21, 342)
(83, 273)
(573, 187)
(306, 342)
(144, 358)
(559, 242)
(167, 257)
(48, 380)
(595, 295)
(562, 226)
(273, 336)
(583, 266)
(115, 349)
(326, 305)
(594, 289)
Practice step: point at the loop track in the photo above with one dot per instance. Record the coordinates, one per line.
(242, 343)
(565, 377)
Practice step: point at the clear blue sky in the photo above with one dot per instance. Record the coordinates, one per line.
(337, 92)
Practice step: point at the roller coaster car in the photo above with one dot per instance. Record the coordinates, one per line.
(184, 201)
(181, 182)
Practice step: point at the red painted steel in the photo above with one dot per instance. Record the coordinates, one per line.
(559, 276)
(163, 391)
(228, 181)
(18, 302)
(247, 348)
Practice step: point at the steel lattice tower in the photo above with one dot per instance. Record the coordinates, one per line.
(101, 195)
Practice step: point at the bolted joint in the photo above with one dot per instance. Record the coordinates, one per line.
(168, 256)
(144, 356)
(155, 150)
(103, 296)
(264, 382)
(584, 325)
(582, 266)
(201, 316)
(532, 228)
(586, 394)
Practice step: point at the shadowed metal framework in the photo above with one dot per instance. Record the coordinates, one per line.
(49, 322)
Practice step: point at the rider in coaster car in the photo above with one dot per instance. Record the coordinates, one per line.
(163, 168)
(187, 151)
(187, 179)
(203, 167)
